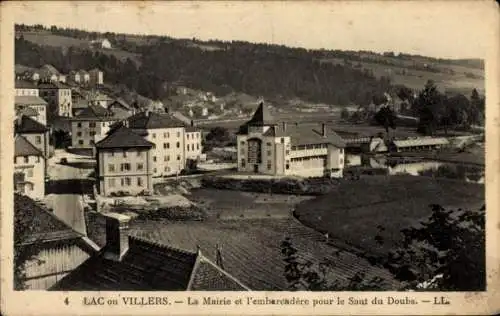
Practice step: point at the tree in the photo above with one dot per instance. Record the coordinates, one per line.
(386, 118)
(428, 103)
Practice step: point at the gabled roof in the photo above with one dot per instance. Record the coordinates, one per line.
(22, 147)
(123, 137)
(26, 124)
(153, 120)
(24, 84)
(95, 112)
(423, 141)
(307, 134)
(53, 85)
(33, 223)
(29, 100)
(148, 266)
(49, 69)
(262, 116)
(119, 103)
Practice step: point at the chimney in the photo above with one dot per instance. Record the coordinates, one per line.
(284, 126)
(323, 129)
(116, 236)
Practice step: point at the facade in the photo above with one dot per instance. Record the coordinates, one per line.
(170, 138)
(58, 96)
(32, 106)
(84, 76)
(58, 249)
(90, 126)
(34, 132)
(96, 77)
(26, 88)
(29, 169)
(266, 147)
(124, 163)
(146, 266)
(192, 141)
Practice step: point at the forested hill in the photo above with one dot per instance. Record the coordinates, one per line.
(152, 64)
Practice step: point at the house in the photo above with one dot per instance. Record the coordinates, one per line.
(169, 135)
(26, 73)
(58, 96)
(99, 98)
(29, 169)
(129, 263)
(34, 132)
(96, 77)
(375, 145)
(80, 76)
(25, 88)
(91, 125)
(267, 147)
(51, 248)
(74, 76)
(50, 73)
(101, 43)
(124, 163)
(78, 101)
(418, 143)
(32, 106)
(192, 141)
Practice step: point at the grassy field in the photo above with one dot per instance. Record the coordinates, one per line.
(353, 212)
(463, 80)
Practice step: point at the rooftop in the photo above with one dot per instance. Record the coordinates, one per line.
(26, 124)
(22, 147)
(26, 111)
(95, 112)
(148, 266)
(153, 120)
(123, 137)
(24, 84)
(33, 223)
(262, 116)
(53, 85)
(29, 100)
(422, 141)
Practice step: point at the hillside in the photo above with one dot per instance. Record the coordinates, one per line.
(152, 65)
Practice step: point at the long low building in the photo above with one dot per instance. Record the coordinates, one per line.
(420, 143)
(268, 147)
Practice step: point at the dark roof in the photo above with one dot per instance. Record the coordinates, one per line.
(191, 129)
(26, 111)
(26, 124)
(33, 223)
(53, 85)
(306, 134)
(29, 100)
(123, 137)
(152, 120)
(95, 112)
(148, 266)
(22, 147)
(120, 104)
(24, 84)
(262, 116)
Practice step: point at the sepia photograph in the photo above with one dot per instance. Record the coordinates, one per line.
(229, 147)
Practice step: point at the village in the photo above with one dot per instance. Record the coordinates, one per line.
(198, 194)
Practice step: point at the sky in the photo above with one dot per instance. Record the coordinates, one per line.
(447, 29)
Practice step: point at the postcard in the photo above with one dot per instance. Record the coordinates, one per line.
(261, 158)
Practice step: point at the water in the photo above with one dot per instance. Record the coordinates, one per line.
(417, 168)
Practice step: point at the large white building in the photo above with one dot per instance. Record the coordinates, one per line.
(266, 146)
(174, 142)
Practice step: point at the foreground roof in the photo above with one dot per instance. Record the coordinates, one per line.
(26, 124)
(148, 266)
(153, 120)
(36, 224)
(29, 100)
(22, 147)
(123, 137)
(24, 84)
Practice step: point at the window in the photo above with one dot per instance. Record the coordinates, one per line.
(30, 173)
(341, 151)
(154, 135)
(269, 165)
(167, 158)
(268, 144)
(125, 167)
(38, 139)
(92, 124)
(178, 145)
(187, 135)
(178, 134)
(242, 143)
(341, 161)
(168, 134)
(111, 183)
(80, 142)
(112, 154)
(139, 153)
(126, 181)
(79, 134)
(164, 135)
(282, 140)
(79, 125)
(168, 145)
(124, 154)
(37, 159)
(287, 164)
(154, 170)
(178, 157)
(154, 158)
(165, 145)
(269, 153)
(139, 182)
(187, 147)
(243, 163)
(140, 166)
(92, 133)
(192, 146)
(197, 146)
(167, 169)
(26, 159)
(111, 168)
